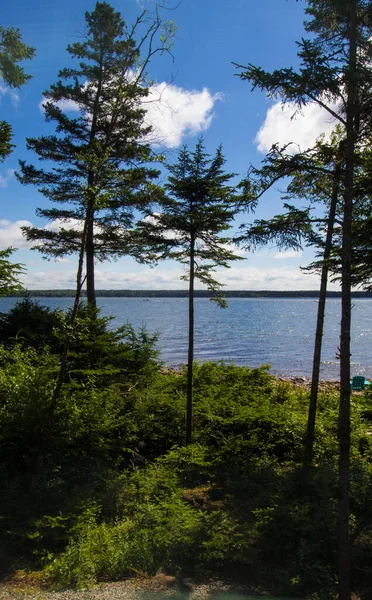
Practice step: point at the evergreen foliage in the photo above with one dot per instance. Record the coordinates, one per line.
(189, 229)
(316, 175)
(194, 217)
(101, 156)
(9, 273)
(12, 51)
(95, 349)
(335, 73)
(103, 487)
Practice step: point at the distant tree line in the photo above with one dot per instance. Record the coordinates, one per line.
(70, 293)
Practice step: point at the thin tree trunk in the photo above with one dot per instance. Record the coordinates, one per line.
(72, 324)
(91, 289)
(310, 432)
(190, 357)
(89, 244)
(344, 410)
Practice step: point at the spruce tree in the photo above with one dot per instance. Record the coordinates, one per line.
(12, 52)
(98, 169)
(190, 228)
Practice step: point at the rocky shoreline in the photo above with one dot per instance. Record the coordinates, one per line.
(306, 382)
(297, 380)
(159, 587)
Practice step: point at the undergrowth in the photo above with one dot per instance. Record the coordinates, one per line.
(104, 487)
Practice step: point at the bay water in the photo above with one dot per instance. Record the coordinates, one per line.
(251, 331)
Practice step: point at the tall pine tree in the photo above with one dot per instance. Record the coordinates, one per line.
(98, 169)
(336, 74)
(315, 177)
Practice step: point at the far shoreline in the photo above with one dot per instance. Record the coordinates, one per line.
(128, 293)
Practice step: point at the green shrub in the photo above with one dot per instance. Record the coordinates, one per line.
(102, 486)
(154, 528)
(30, 324)
(158, 411)
(113, 354)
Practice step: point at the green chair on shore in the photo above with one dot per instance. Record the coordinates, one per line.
(358, 383)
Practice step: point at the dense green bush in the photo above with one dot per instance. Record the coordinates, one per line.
(102, 485)
(55, 457)
(154, 528)
(30, 324)
(113, 354)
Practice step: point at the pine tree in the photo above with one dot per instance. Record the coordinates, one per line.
(101, 157)
(12, 51)
(200, 207)
(335, 73)
(315, 177)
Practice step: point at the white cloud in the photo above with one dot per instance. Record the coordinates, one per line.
(285, 254)
(106, 278)
(144, 3)
(5, 178)
(64, 105)
(173, 112)
(241, 252)
(6, 91)
(137, 277)
(283, 278)
(57, 279)
(68, 224)
(67, 261)
(142, 278)
(11, 234)
(303, 129)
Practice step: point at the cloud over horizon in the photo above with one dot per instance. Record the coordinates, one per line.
(4, 179)
(285, 254)
(145, 278)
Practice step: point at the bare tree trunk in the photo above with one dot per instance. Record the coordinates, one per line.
(72, 324)
(310, 432)
(344, 410)
(91, 291)
(190, 358)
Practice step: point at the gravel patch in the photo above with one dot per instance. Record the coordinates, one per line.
(152, 589)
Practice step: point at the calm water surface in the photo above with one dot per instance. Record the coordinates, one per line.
(251, 331)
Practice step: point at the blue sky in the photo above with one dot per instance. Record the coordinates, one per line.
(199, 95)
